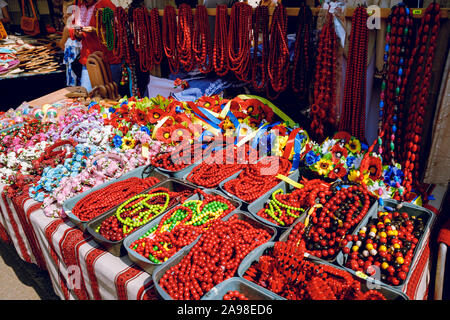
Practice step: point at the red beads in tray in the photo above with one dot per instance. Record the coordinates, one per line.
(102, 200)
(213, 259)
(234, 295)
(283, 209)
(388, 243)
(257, 179)
(330, 222)
(284, 270)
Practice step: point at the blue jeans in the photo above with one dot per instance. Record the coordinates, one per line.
(116, 74)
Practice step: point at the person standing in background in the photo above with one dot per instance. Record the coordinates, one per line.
(4, 15)
(84, 30)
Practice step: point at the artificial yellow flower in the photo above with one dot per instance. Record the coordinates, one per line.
(279, 144)
(323, 166)
(354, 146)
(355, 176)
(128, 143)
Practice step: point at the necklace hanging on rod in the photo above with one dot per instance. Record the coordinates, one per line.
(303, 54)
(220, 52)
(260, 25)
(354, 105)
(322, 112)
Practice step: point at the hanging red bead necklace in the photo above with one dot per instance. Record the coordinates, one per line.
(395, 80)
(354, 106)
(169, 36)
(260, 23)
(422, 54)
(239, 40)
(122, 48)
(302, 63)
(155, 35)
(184, 37)
(278, 63)
(141, 34)
(220, 52)
(324, 96)
(202, 45)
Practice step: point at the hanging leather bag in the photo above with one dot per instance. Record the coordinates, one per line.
(29, 25)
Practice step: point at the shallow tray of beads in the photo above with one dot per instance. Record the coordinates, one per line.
(425, 215)
(176, 258)
(180, 174)
(246, 205)
(388, 292)
(116, 247)
(259, 203)
(145, 263)
(304, 217)
(250, 290)
(140, 172)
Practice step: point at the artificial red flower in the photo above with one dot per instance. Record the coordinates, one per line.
(343, 136)
(338, 171)
(337, 152)
(139, 116)
(180, 132)
(372, 165)
(164, 134)
(252, 107)
(281, 129)
(240, 115)
(156, 114)
(209, 103)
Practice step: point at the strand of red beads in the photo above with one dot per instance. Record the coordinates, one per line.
(213, 259)
(234, 295)
(284, 270)
(327, 228)
(260, 26)
(303, 54)
(202, 42)
(155, 35)
(353, 109)
(422, 54)
(322, 111)
(114, 230)
(239, 40)
(278, 63)
(257, 179)
(184, 37)
(102, 200)
(220, 51)
(211, 172)
(169, 37)
(141, 41)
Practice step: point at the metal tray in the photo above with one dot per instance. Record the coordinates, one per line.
(140, 172)
(284, 236)
(146, 263)
(412, 210)
(388, 292)
(249, 289)
(176, 258)
(258, 204)
(115, 247)
(293, 176)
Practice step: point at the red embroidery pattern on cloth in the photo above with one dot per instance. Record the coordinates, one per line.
(69, 246)
(28, 229)
(91, 258)
(4, 234)
(123, 278)
(15, 227)
(49, 230)
(414, 280)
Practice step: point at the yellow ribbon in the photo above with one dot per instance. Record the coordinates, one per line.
(290, 181)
